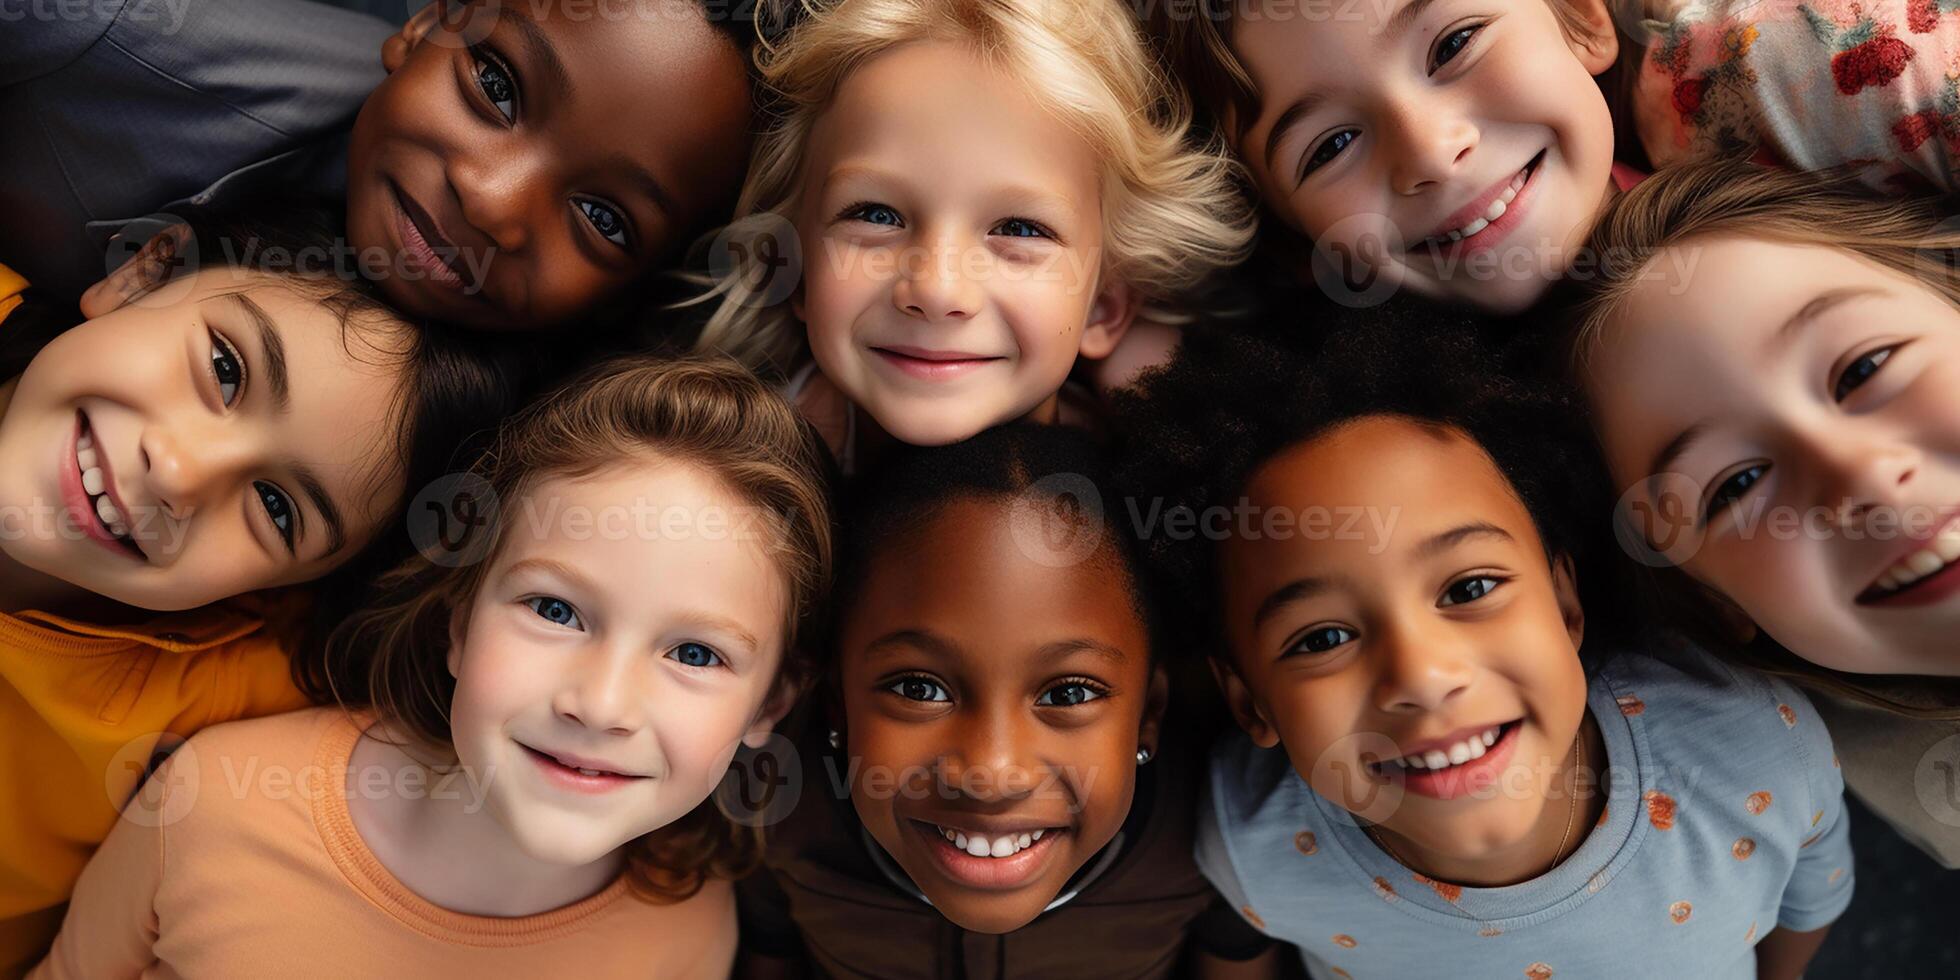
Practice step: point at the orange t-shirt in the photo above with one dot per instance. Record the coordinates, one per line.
(85, 708)
(241, 859)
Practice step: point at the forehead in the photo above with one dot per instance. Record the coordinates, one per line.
(998, 578)
(654, 536)
(1369, 492)
(651, 80)
(894, 106)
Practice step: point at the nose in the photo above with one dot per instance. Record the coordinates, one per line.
(498, 194)
(598, 691)
(186, 467)
(1422, 667)
(988, 760)
(1862, 477)
(1425, 144)
(934, 283)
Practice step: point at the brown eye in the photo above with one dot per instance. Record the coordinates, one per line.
(227, 369)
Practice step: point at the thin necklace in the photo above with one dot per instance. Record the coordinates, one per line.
(1571, 811)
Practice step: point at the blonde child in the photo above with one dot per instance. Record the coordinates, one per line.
(525, 788)
(214, 431)
(1773, 367)
(981, 193)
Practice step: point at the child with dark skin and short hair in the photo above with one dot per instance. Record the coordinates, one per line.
(1454, 780)
(512, 166)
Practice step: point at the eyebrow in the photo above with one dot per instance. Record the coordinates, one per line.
(551, 566)
(646, 182)
(1819, 305)
(1062, 648)
(1676, 447)
(1443, 542)
(898, 641)
(1295, 591)
(1398, 25)
(538, 46)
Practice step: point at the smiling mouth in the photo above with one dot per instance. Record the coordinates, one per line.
(990, 846)
(91, 467)
(1462, 752)
(426, 247)
(1930, 563)
(1491, 213)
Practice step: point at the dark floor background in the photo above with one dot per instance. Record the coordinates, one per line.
(1904, 919)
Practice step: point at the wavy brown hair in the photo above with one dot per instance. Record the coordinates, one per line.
(391, 656)
(1732, 198)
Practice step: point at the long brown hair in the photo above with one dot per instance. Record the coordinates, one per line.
(1731, 197)
(391, 655)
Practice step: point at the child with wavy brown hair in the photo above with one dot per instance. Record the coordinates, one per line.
(538, 720)
(1773, 366)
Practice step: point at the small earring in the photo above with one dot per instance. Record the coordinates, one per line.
(1143, 755)
(836, 740)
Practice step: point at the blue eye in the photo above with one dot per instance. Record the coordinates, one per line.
(695, 655)
(1327, 150)
(919, 689)
(555, 610)
(606, 220)
(874, 214)
(1452, 45)
(1068, 694)
(1021, 228)
(496, 84)
(1860, 371)
(1469, 590)
(278, 507)
(1732, 489)
(1321, 639)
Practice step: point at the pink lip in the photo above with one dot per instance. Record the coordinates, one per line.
(75, 499)
(933, 365)
(423, 241)
(1933, 588)
(563, 770)
(1478, 773)
(990, 874)
(1493, 234)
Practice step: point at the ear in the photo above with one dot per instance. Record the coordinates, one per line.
(1245, 708)
(787, 691)
(161, 259)
(459, 627)
(1110, 317)
(395, 50)
(1565, 585)
(1600, 48)
(1155, 700)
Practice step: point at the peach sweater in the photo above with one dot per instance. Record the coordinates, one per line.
(240, 859)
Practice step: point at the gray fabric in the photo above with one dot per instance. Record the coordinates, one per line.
(1659, 888)
(111, 110)
(1906, 769)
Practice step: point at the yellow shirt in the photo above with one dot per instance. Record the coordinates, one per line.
(242, 859)
(84, 708)
(11, 286)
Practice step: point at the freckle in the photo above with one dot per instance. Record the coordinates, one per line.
(1660, 809)
(1304, 843)
(1680, 911)
(1789, 715)
(1757, 802)
(1345, 941)
(1742, 848)
(1538, 971)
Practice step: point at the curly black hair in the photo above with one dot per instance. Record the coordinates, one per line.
(1045, 465)
(1193, 433)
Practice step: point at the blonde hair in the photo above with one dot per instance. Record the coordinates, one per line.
(1734, 198)
(1172, 212)
(707, 412)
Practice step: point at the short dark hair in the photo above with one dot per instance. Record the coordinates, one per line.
(1018, 460)
(1193, 433)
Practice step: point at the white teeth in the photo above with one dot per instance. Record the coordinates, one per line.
(92, 481)
(997, 847)
(1940, 552)
(1473, 747)
(1492, 213)
(86, 442)
(589, 772)
(107, 511)
(86, 457)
